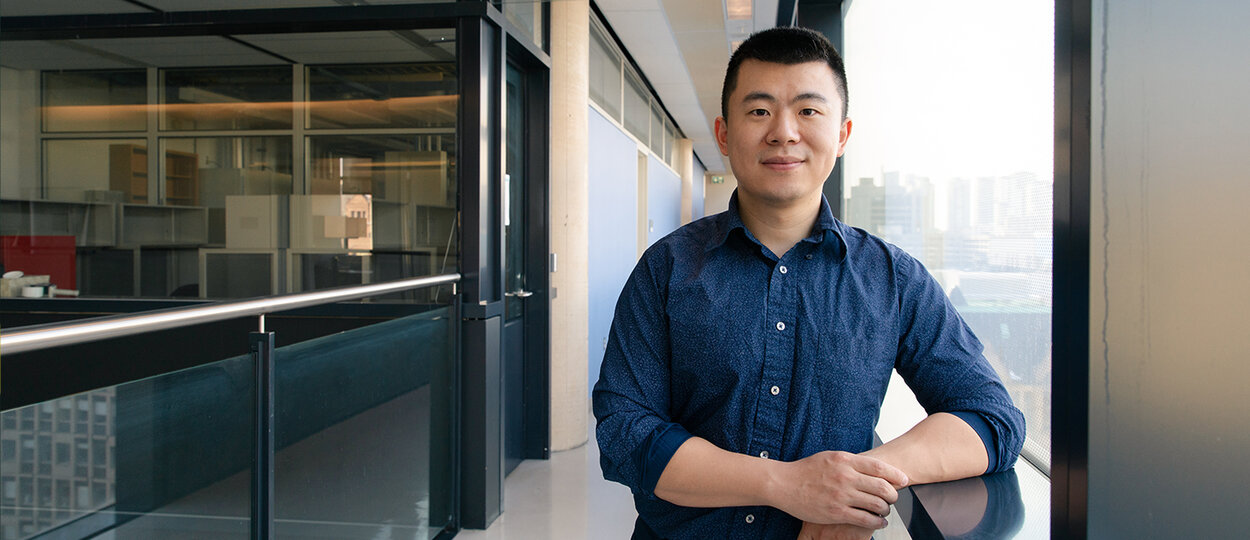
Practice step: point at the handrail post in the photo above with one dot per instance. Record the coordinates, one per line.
(262, 348)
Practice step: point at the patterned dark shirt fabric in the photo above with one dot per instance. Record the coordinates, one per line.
(715, 336)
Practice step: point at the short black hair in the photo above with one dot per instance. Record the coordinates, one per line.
(787, 45)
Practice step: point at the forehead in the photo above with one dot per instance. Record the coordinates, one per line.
(784, 80)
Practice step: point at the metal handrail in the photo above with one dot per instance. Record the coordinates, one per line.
(32, 338)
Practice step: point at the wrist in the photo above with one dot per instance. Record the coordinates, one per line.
(774, 483)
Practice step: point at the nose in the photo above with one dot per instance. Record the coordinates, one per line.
(784, 129)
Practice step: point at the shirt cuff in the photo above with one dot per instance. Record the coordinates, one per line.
(657, 450)
(978, 424)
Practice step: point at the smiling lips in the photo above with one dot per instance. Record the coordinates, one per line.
(782, 163)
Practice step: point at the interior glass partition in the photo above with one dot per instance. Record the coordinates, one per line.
(321, 160)
(166, 456)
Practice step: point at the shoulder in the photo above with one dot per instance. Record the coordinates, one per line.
(688, 244)
(870, 252)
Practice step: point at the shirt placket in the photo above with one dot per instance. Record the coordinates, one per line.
(774, 386)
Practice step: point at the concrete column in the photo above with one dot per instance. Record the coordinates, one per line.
(570, 203)
(685, 167)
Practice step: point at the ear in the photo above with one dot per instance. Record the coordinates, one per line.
(722, 135)
(844, 135)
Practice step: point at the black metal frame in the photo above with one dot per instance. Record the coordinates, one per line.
(825, 16)
(263, 347)
(1070, 313)
(537, 370)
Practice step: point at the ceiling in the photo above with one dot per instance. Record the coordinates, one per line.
(682, 47)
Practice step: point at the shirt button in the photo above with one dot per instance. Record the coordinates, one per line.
(764, 454)
(781, 325)
(782, 270)
(808, 256)
(775, 390)
(750, 518)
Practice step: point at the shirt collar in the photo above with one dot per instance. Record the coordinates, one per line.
(827, 229)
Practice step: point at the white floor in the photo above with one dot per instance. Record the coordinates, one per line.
(564, 497)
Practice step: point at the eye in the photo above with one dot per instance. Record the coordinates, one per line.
(809, 112)
(757, 112)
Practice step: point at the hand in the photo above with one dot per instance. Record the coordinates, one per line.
(840, 531)
(839, 487)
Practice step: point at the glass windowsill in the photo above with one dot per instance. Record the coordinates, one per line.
(1012, 504)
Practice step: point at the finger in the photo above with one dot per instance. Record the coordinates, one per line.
(870, 503)
(880, 469)
(863, 518)
(877, 487)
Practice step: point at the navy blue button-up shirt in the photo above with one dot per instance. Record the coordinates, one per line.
(716, 336)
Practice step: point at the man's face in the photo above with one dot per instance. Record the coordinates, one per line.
(784, 131)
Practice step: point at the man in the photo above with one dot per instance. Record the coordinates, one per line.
(751, 350)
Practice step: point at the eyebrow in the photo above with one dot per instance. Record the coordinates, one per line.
(764, 96)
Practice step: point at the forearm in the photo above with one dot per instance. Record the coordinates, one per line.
(941, 447)
(702, 475)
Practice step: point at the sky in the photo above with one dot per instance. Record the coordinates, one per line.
(963, 88)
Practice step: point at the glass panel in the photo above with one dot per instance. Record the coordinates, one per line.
(383, 95)
(168, 456)
(239, 180)
(95, 100)
(605, 74)
(971, 199)
(386, 193)
(670, 146)
(637, 109)
(94, 170)
(657, 133)
(226, 98)
(515, 221)
(527, 15)
(365, 431)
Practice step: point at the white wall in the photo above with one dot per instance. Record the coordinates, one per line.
(1170, 270)
(613, 164)
(716, 196)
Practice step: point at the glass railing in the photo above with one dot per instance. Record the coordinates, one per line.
(349, 435)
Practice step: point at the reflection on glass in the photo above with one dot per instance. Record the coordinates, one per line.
(238, 179)
(383, 95)
(364, 431)
(78, 101)
(386, 193)
(163, 457)
(988, 506)
(226, 98)
(95, 170)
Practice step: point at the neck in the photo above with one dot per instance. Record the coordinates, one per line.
(779, 226)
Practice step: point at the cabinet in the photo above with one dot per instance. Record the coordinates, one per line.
(128, 173)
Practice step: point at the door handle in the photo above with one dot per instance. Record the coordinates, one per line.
(519, 293)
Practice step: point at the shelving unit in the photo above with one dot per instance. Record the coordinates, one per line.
(148, 225)
(91, 224)
(182, 183)
(128, 171)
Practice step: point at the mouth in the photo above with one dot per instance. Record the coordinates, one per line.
(782, 163)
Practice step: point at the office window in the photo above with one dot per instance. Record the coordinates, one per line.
(210, 198)
(384, 95)
(92, 101)
(637, 109)
(605, 73)
(951, 159)
(254, 97)
(527, 16)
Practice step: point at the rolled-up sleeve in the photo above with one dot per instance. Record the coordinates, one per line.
(942, 361)
(636, 435)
